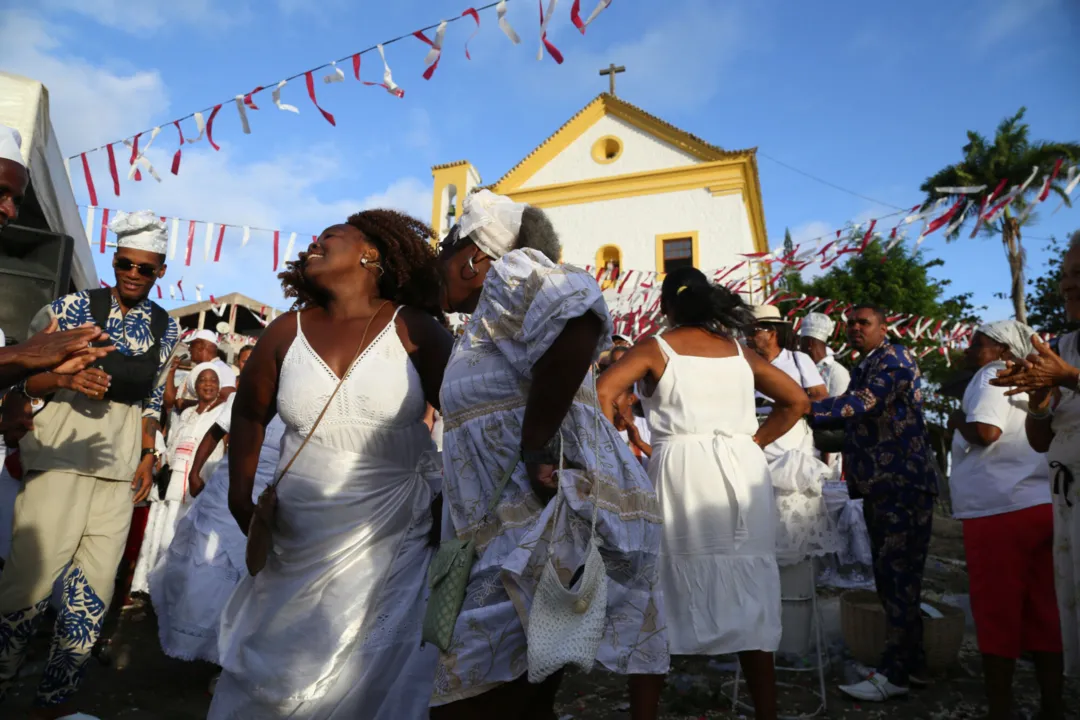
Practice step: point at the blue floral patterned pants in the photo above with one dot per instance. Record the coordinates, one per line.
(899, 523)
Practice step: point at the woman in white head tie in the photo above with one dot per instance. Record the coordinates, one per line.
(330, 627)
(204, 383)
(517, 382)
(718, 568)
(1051, 380)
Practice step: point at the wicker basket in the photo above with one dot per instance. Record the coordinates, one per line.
(863, 624)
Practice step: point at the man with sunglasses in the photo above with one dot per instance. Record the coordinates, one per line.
(87, 460)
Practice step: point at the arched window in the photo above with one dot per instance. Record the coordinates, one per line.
(608, 265)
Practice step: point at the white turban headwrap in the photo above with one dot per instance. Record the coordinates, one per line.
(11, 145)
(817, 326)
(491, 221)
(142, 230)
(1015, 335)
(208, 335)
(193, 376)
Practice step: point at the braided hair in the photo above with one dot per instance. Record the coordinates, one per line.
(690, 299)
(410, 273)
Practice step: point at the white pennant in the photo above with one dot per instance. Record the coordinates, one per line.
(276, 95)
(198, 293)
(504, 24)
(600, 7)
(334, 77)
(289, 247)
(1031, 205)
(436, 44)
(388, 78)
(1072, 179)
(141, 156)
(90, 212)
(207, 241)
(200, 125)
(247, 236)
(544, 26)
(141, 160)
(242, 112)
(966, 190)
(172, 239)
(172, 292)
(955, 224)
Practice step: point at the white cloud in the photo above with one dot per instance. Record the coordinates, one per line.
(138, 16)
(89, 105)
(1006, 18)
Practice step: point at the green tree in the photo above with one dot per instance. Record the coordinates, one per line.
(1011, 155)
(789, 249)
(1044, 294)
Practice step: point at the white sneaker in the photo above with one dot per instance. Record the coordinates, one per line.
(875, 688)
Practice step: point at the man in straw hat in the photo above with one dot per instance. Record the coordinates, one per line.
(89, 455)
(47, 350)
(772, 338)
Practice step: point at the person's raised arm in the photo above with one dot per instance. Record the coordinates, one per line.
(253, 409)
(790, 402)
(556, 377)
(863, 400)
(429, 345)
(210, 440)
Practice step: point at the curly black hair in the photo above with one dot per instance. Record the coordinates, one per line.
(410, 273)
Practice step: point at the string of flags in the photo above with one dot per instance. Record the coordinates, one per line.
(247, 102)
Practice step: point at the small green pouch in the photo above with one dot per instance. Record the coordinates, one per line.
(448, 578)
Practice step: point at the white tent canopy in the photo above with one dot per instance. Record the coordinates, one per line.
(24, 105)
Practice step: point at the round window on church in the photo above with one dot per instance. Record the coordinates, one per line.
(607, 149)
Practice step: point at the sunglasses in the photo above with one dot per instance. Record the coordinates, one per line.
(147, 270)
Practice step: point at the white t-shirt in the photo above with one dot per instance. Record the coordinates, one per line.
(836, 376)
(791, 362)
(1007, 475)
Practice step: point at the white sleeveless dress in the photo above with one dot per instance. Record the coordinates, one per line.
(331, 626)
(718, 572)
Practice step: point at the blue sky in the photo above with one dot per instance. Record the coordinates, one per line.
(871, 96)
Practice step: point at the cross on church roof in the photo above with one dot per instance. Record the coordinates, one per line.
(611, 71)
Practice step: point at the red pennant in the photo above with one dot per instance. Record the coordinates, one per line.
(220, 239)
(180, 282)
(471, 12)
(575, 16)
(868, 237)
(277, 241)
(356, 71)
(248, 101)
(104, 226)
(212, 300)
(1053, 176)
(190, 242)
(944, 218)
(89, 180)
(356, 65)
(310, 80)
(134, 156)
(158, 292)
(112, 170)
(210, 127)
(552, 50)
(176, 157)
(419, 35)
(103, 284)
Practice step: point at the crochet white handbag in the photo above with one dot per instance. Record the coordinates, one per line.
(566, 625)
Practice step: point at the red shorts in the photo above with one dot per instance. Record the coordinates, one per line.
(1011, 572)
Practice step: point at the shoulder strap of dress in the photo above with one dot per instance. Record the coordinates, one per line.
(738, 347)
(665, 348)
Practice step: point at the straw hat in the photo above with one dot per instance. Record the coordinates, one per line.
(768, 314)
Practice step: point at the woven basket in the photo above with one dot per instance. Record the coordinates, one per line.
(862, 622)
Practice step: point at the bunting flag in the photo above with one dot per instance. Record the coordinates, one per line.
(504, 24)
(104, 228)
(310, 82)
(176, 158)
(471, 12)
(89, 180)
(544, 42)
(277, 240)
(220, 240)
(432, 59)
(190, 242)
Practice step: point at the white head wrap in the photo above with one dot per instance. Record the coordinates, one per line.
(11, 145)
(208, 335)
(1015, 335)
(491, 221)
(818, 326)
(193, 376)
(142, 230)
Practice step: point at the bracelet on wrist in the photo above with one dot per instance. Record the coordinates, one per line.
(1040, 414)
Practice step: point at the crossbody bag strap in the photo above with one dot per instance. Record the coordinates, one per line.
(341, 381)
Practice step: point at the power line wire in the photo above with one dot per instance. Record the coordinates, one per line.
(830, 184)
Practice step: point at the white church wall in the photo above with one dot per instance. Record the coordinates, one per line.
(640, 153)
(632, 224)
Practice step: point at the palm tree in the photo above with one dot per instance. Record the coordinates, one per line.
(1011, 156)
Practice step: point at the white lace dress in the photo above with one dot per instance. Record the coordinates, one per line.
(525, 305)
(205, 561)
(1064, 459)
(718, 570)
(331, 626)
(183, 440)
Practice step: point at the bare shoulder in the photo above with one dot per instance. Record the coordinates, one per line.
(278, 335)
(418, 329)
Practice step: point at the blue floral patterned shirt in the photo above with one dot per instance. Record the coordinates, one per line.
(129, 333)
(886, 446)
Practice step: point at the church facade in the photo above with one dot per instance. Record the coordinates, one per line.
(628, 191)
